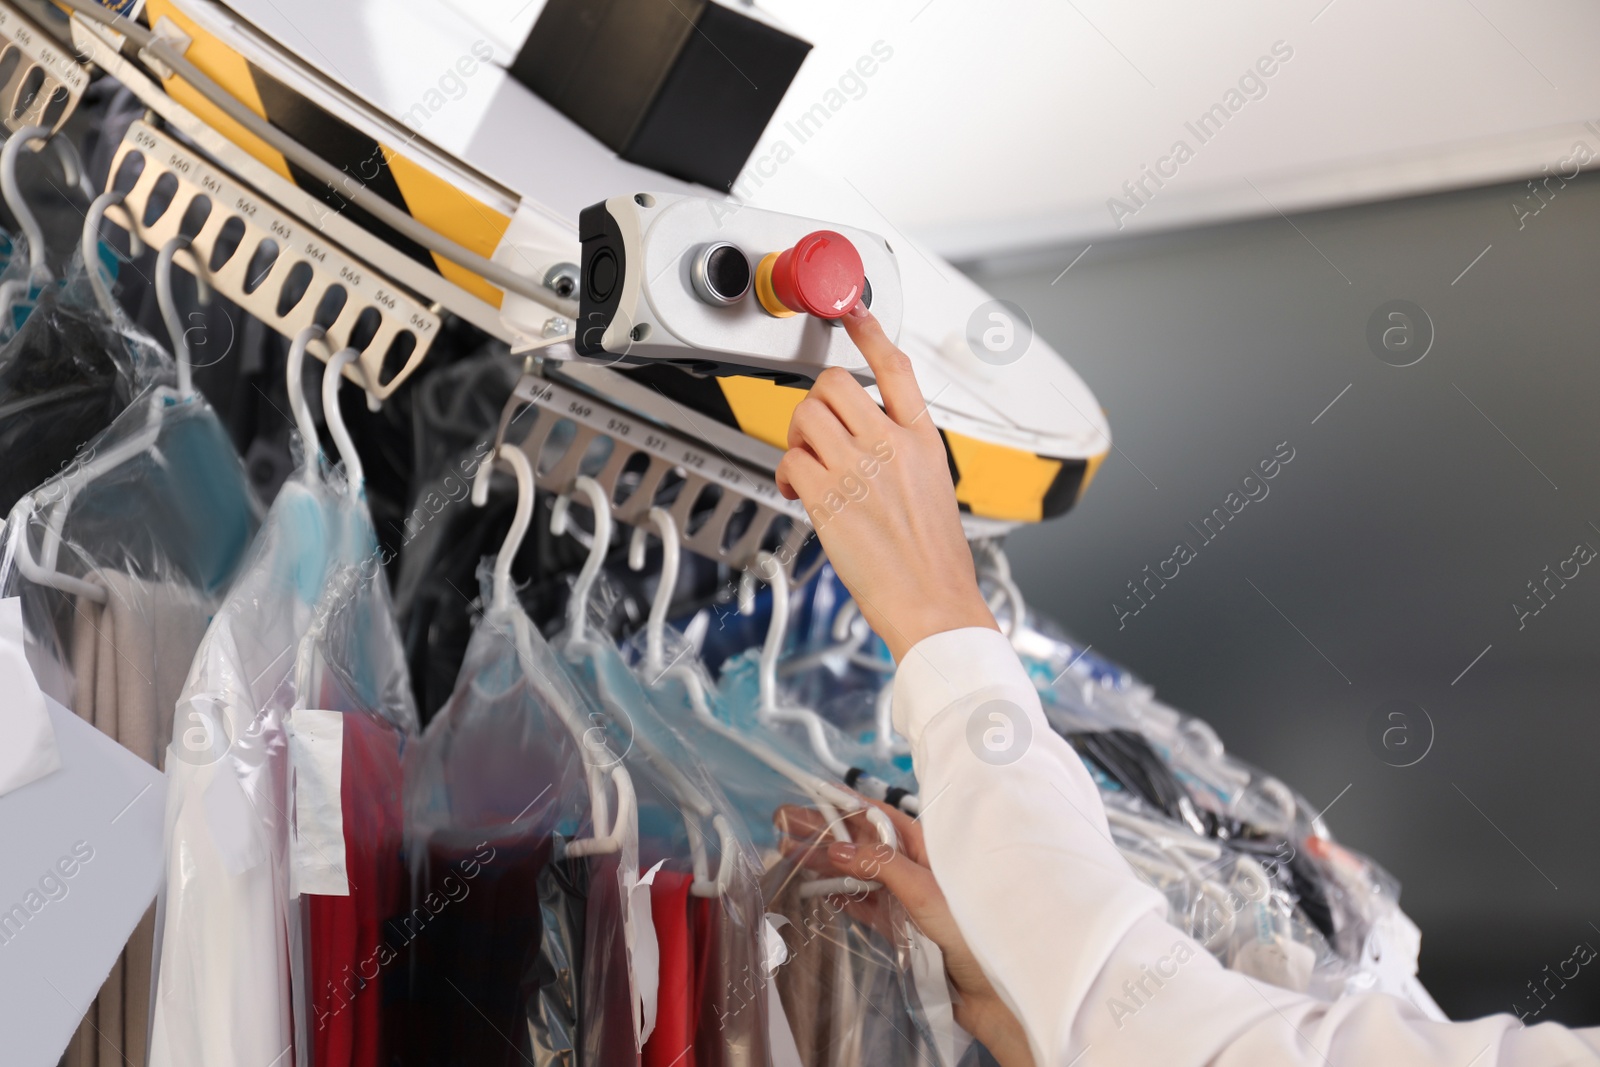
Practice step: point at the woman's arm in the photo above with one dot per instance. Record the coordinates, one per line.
(1071, 941)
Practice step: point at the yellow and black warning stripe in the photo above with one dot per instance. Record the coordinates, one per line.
(992, 481)
(384, 169)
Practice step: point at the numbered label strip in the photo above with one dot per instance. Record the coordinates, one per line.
(282, 271)
(40, 82)
(643, 465)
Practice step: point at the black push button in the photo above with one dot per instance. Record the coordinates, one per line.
(602, 275)
(720, 274)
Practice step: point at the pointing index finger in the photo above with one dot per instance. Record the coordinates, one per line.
(897, 381)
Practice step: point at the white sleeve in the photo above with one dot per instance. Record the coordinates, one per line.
(1079, 947)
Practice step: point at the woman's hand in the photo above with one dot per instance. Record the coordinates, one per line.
(906, 875)
(877, 486)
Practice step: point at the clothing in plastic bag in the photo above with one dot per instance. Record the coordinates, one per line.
(347, 735)
(159, 533)
(500, 922)
(63, 377)
(687, 824)
(1248, 867)
(229, 934)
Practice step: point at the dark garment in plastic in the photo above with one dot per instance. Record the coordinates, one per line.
(63, 378)
(486, 978)
(553, 1016)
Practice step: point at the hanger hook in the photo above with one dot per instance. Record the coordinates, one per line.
(332, 376)
(72, 167)
(31, 138)
(90, 246)
(517, 460)
(600, 504)
(169, 310)
(666, 584)
(777, 626)
(297, 393)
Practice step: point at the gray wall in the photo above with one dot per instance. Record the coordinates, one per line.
(1388, 553)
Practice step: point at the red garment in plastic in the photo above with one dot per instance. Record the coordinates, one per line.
(345, 932)
(671, 1043)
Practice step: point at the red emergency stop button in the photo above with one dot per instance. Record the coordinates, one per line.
(821, 275)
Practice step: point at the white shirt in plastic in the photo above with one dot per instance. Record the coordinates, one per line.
(1079, 947)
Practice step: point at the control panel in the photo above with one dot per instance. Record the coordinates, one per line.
(720, 288)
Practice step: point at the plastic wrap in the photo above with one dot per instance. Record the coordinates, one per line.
(859, 966)
(740, 682)
(229, 933)
(849, 985)
(173, 517)
(154, 514)
(347, 733)
(496, 788)
(63, 377)
(1327, 922)
(706, 900)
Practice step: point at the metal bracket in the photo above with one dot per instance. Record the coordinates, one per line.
(749, 514)
(40, 82)
(280, 270)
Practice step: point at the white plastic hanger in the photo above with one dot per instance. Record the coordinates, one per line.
(827, 795)
(332, 376)
(608, 833)
(295, 381)
(850, 633)
(34, 138)
(994, 565)
(75, 478)
(829, 799)
(89, 246)
(169, 310)
(770, 708)
(693, 804)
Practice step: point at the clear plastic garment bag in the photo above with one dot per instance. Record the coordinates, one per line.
(120, 561)
(306, 623)
(1248, 867)
(520, 824)
(700, 870)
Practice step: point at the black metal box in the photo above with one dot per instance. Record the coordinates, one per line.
(681, 86)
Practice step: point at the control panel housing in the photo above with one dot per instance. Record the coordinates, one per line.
(659, 285)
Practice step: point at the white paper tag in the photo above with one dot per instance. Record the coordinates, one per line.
(316, 828)
(775, 950)
(644, 952)
(27, 740)
(81, 863)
